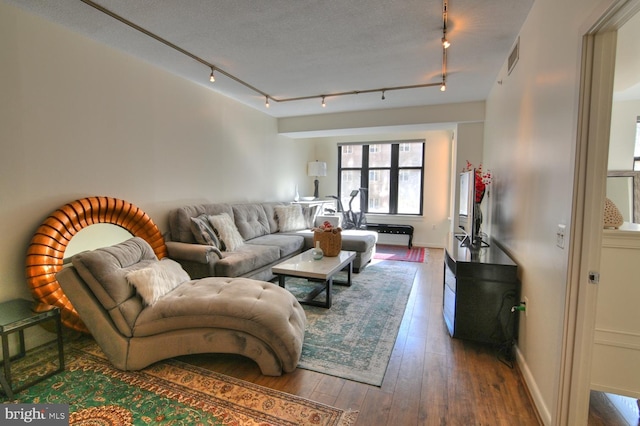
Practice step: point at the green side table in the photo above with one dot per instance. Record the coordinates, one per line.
(15, 316)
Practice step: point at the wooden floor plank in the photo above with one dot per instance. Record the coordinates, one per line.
(431, 378)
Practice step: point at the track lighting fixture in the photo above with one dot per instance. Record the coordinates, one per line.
(212, 78)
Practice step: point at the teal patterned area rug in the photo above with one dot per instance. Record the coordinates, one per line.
(355, 337)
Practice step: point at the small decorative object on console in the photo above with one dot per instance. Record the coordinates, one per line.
(482, 179)
(329, 238)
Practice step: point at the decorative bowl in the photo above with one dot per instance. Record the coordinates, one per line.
(307, 198)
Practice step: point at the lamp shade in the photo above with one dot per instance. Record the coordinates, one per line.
(317, 168)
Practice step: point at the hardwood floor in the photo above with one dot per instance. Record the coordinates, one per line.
(431, 378)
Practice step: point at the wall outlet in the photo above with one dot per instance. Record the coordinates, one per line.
(526, 306)
(560, 235)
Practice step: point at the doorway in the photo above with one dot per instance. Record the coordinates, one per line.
(597, 86)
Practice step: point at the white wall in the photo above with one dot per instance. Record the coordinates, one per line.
(530, 142)
(79, 119)
(624, 115)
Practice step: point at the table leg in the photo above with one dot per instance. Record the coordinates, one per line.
(60, 343)
(23, 348)
(349, 269)
(281, 280)
(5, 380)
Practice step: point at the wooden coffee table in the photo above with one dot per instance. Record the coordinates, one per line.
(320, 272)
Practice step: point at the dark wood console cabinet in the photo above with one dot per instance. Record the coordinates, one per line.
(480, 288)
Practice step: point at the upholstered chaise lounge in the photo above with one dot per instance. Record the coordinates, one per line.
(121, 295)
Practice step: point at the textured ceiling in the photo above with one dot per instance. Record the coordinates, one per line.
(294, 48)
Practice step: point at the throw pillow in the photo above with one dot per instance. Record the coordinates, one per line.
(203, 232)
(158, 279)
(309, 213)
(226, 230)
(290, 218)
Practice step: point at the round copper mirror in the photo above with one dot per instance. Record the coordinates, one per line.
(46, 251)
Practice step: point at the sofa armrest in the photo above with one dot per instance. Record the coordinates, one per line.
(199, 253)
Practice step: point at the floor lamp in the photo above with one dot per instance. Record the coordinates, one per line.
(316, 168)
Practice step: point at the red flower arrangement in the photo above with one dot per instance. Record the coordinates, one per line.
(482, 179)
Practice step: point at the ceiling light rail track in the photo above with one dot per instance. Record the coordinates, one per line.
(268, 97)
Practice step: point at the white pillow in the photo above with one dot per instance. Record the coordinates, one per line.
(227, 231)
(290, 218)
(156, 280)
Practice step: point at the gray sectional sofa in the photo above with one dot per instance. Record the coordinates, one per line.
(268, 234)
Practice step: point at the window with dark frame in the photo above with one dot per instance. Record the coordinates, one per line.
(391, 174)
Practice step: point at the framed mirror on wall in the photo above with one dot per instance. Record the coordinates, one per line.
(623, 188)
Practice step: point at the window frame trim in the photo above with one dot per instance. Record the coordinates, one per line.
(394, 173)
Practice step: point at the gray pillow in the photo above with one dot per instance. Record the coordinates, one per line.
(227, 231)
(309, 213)
(203, 231)
(290, 218)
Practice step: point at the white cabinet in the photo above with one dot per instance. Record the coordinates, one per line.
(616, 353)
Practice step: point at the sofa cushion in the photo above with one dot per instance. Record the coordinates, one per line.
(157, 279)
(352, 239)
(227, 232)
(203, 231)
(104, 270)
(247, 258)
(287, 243)
(290, 218)
(251, 220)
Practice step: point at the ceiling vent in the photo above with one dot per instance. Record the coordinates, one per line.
(514, 55)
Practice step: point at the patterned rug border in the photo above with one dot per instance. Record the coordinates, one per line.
(232, 401)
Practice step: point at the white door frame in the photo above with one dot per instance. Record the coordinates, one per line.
(592, 150)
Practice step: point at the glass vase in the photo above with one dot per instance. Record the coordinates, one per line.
(316, 252)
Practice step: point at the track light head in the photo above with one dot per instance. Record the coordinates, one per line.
(383, 98)
(266, 102)
(323, 102)
(445, 43)
(443, 87)
(212, 78)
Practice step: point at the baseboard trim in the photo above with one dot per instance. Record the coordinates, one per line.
(542, 411)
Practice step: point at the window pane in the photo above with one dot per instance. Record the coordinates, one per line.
(410, 155)
(380, 155)
(349, 182)
(351, 156)
(379, 192)
(409, 192)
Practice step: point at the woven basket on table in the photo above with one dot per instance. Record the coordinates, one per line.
(330, 241)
